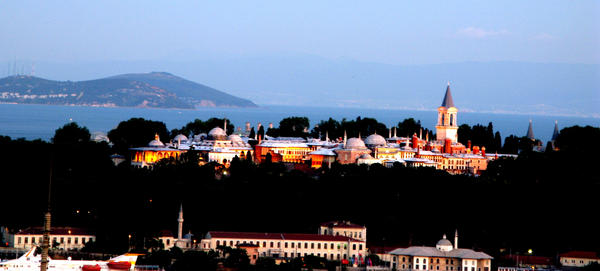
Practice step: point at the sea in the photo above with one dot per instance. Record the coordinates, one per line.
(31, 121)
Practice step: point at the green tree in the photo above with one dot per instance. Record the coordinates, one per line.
(71, 134)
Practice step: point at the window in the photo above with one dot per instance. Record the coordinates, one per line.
(278, 244)
(26, 240)
(271, 244)
(360, 247)
(217, 242)
(19, 240)
(305, 245)
(437, 260)
(264, 244)
(319, 246)
(83, 240)
(230, 243)
(417, 266)
(285, 253)
(76, 240)
(437, 267)
(403, 259)
(417, 260)
(312, 245)
(324, 245)
(292, 245)
(424, 260)
(353, 246)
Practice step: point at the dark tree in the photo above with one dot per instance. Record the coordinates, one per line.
(294, 127)
(408, 127)
(329, 127)
(261, 132)
(252, 133)
(136, 132)
(71, 134)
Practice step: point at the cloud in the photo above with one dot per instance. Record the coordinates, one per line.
(544, 36)
(479, 33)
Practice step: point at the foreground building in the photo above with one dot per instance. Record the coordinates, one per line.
(331, 245)
(444, 256)
(578, 258)
(67, 238)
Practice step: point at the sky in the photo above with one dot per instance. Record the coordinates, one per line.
(387, 32)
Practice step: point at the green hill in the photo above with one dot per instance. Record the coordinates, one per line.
(154, 90)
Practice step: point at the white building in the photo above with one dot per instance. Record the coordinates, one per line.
(444, 256)
(578, 258)
(63, 237)
(344, 228)
(290, 245)
(183, 242)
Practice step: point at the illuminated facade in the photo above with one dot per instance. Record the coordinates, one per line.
(156, 150)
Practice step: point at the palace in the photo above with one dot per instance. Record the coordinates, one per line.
(443, 153)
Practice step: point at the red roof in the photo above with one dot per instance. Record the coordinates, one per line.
(580, 254)
(341, 224)
(55, 231)
(280, 236)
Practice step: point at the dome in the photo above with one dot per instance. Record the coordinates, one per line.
(355, 143)
(444, 244)
(156, 142)
(217, 134)
(235, 139)
(181, 138)
(375, 140)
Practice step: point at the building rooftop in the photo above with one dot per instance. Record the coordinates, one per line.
(279, 236)
(580, 254)
(55, 231)
(461, 253)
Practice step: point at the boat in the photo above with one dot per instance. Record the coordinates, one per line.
(89, 267)
(119, 265)
(31, 261)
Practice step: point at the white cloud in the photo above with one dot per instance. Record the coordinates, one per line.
(479, 33)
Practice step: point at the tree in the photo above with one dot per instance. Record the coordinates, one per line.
(261, 132)
(71, 134)
(329, 127)
(252, 133)
(294, 127)
(136, 132)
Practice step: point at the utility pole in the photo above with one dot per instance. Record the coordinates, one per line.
(47, 219)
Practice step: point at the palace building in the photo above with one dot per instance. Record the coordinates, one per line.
(443, 153)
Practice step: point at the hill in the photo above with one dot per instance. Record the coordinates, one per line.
(154, 90)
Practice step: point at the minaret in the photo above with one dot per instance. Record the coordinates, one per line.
(180, 221)
(456, 239)
(225, 125)
(327, 136)
(530, 131)
(345, 138)
(390, 133)
(447, 127)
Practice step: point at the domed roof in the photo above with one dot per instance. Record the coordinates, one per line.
(156, 142)
(235, 139)
(444, 244)
(355, 143)
(181, 138)
(217, 134)
(375, 140)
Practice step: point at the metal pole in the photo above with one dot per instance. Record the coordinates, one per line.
(47, 219)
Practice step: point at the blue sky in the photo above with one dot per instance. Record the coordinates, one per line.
(390, 32)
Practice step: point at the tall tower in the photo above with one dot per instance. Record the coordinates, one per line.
(447, 127)
(530, 131)
(456, 239)
(180, 221)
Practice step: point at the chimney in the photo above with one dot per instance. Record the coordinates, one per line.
(448, 145)
(415, 141)
(483, 151)
(469, 144)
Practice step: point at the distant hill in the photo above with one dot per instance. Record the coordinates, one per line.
(153, 90)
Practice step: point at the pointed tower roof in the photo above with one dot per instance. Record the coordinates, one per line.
(555, 134)
(530, 131)
(448, 102)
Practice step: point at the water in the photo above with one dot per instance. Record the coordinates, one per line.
(40, 121)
